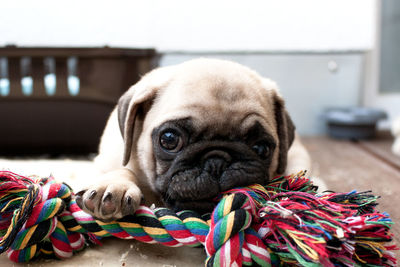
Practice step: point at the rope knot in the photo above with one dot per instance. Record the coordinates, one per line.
(231, 241)
(31, 212)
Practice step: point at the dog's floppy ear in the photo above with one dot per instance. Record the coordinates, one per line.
(132, 103)
(285, 130)
(284, 125)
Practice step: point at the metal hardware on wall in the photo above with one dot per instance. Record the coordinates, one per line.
(333, 66)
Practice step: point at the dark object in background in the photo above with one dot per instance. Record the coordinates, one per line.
(353, 122)
(57, 100)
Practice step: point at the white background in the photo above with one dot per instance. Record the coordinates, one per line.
(182, 25)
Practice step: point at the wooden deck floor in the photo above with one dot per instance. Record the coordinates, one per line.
(364, 165)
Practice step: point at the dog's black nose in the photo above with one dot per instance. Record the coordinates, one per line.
(215, 162)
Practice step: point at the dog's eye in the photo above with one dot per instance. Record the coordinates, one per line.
(262, 150)
(170, 141)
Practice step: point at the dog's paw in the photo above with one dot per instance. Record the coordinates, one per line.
(110, 200)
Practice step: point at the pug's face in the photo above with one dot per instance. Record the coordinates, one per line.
(195, 164)
(204, 127)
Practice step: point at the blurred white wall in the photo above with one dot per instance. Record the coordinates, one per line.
(181, 25)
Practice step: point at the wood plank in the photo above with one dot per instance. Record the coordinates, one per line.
(381, 147)
(344, 166)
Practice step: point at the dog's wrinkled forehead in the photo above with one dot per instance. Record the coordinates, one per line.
(225, 95)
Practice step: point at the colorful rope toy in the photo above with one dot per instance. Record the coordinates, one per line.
(283, 223)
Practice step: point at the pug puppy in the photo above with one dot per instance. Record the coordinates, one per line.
(183, 134)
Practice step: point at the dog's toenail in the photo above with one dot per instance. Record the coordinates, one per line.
(129, 207)
(129, 200)
(79, 201)
(92, 194)
(108, 196)
(80, 193)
